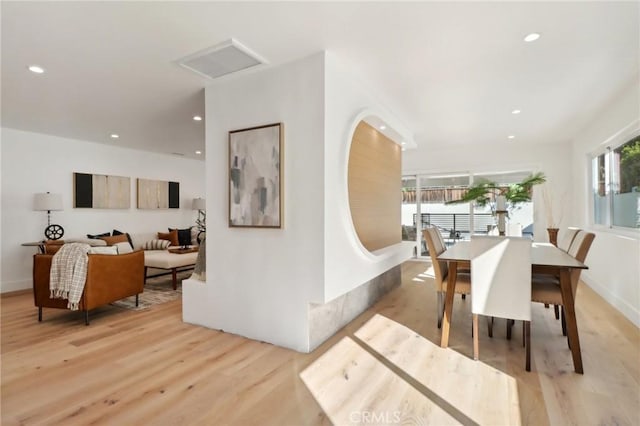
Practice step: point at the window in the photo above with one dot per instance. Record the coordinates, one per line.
(616, 186)
(425, 203)
(409, 208)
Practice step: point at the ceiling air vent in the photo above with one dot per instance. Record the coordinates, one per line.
(221, 59)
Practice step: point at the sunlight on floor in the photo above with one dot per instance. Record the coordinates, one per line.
(353, 387)
(427, 274)
(388, 374)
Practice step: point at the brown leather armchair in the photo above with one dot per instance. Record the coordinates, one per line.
(109, 278)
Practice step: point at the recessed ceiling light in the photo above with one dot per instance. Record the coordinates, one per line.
(382, 127)
(198, 152)
(404, 149)
(531, 37)
(516, 111)
(511, 137)
(404, 143)
(114, 136)
(36, 69)
(197, 118)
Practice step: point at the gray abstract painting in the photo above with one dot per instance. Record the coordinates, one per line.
(255, 177)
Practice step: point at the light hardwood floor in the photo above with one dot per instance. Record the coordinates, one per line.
(148, 367)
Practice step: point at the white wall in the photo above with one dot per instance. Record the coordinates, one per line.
(347, 263)
(33, 163)
(614, 258)
(259, 281)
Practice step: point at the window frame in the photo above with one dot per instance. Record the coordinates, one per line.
(607, 148)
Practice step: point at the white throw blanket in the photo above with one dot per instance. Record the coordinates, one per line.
(69, 273)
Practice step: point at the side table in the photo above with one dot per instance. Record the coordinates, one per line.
(39, 244)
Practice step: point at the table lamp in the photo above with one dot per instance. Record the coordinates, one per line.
(48, 202)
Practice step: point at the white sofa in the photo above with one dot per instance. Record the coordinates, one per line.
(165, 260)
(156, 262)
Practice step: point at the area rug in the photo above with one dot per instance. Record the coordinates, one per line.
(157, 290)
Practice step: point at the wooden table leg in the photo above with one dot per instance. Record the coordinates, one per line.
(174, 276)
(476, 338)
(448, 303)
(570, 314)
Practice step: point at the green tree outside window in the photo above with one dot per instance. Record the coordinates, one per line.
(630, 165)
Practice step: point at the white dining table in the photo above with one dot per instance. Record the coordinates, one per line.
(542, 254)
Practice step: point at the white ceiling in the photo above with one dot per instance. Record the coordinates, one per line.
(452, 72)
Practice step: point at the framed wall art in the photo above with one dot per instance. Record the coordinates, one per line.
(101, 191)
(158, 194)
(255, 176)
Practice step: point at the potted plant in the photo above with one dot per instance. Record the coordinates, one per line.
(501, 198)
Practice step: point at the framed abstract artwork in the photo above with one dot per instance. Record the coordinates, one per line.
(101, 191)
(255, 176)
(158, 194)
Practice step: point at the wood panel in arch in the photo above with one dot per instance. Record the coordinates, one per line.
(374, 183)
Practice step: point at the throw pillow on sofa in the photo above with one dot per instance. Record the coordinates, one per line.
(115, 239)
(184, 236)
(171, 236)
(123, 248)
(116, 232)
(98, 236)
(103, 250)
(156, 245)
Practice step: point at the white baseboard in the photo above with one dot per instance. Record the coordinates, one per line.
(630, 312)
(6, 287)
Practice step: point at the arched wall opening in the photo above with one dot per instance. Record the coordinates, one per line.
(374, 187)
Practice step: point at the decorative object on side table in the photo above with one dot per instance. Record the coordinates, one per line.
(255, 177)
(200, 204)
(200, 269)
(552, 225)
(48, 202)
(505, 197)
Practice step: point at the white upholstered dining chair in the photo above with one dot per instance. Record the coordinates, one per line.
(514, 229)
(567, 238)
(501, 277)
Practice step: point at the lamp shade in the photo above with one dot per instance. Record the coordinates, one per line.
(199, 204)
(47, 202)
